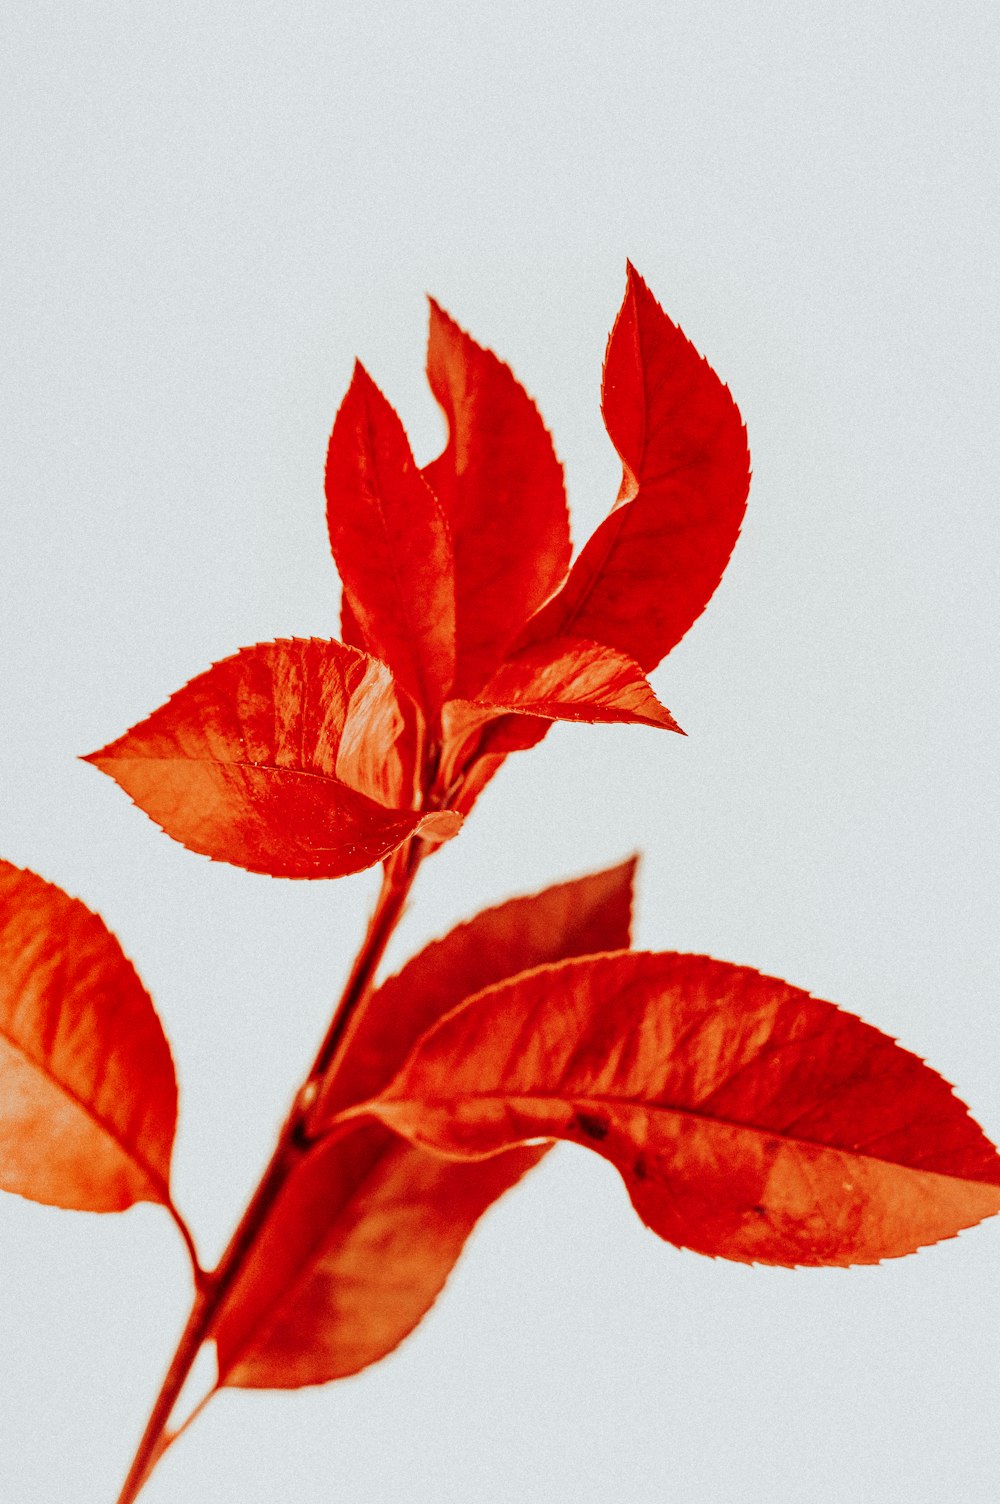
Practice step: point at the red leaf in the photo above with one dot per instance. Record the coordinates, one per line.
(748, 1119)
(294, 758)
(651, 567)
(369, 1227)
(88, 1100)
(502, 489)
(356, 1251)
(391, 543)
(569, 679)
(577, 918)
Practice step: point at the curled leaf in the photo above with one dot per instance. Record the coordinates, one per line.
(294, 758)
(651, 567)
(88, 1100)
(747, 1119)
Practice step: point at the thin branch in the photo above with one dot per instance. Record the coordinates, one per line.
(201, 1276)
(398, 875)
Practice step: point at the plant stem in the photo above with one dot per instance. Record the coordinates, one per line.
(293, 1142)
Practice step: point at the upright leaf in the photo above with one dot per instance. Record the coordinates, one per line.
(88, 1100)
(502, 489)
(391, 544)
(747, 1119)
(652, 565)
(294, 758)
(369, 1226)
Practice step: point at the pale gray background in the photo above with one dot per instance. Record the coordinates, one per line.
(209, 210)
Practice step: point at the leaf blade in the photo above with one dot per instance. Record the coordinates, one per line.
(361, 1243)
(88, 1103)
(571, 679)
(734, 1106)
(579, 917)
(293, 758)
(366, 1234)
(501, 486)
(391, 544)
(652, 565)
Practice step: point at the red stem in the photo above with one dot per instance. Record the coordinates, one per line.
(293, 1143)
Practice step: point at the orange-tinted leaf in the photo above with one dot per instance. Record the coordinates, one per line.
(578, 918)
(369, 1226)
(294, 758)
(569, 679)
(501, 487)
(748, 1119)
(356, 1251)
(391, 543)
(88, 1101)
(651, 567)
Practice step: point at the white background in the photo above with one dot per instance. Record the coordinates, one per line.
(209, 211)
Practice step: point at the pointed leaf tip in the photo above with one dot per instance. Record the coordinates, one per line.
(501, 487)
(649, 570)
(391, 545)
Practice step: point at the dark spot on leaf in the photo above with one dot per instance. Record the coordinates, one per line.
(760, 1210)
(640, 1169)
(593, 1126)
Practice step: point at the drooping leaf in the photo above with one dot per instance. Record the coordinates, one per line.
(88, 1100)
(650, 568)
(570, 679)
(365, 1234)
(747, 1119)
(501, 486)
(294, 758)
(369, 1226)
(391, 543)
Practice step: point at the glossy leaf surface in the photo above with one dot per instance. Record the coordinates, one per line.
(652, 565)
(88, 1100)
(569, 679)
(747, 1119)
(294, 758)
(501, 487)
(392, 546)
(370, 1226)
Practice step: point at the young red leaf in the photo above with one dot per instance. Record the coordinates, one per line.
(369, 1226)
(363, 1237)
(570, 679)
(391, 544)
(88, 1100)
(294, 758)
(502, 489)
(651, 567)
(747, 1119)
